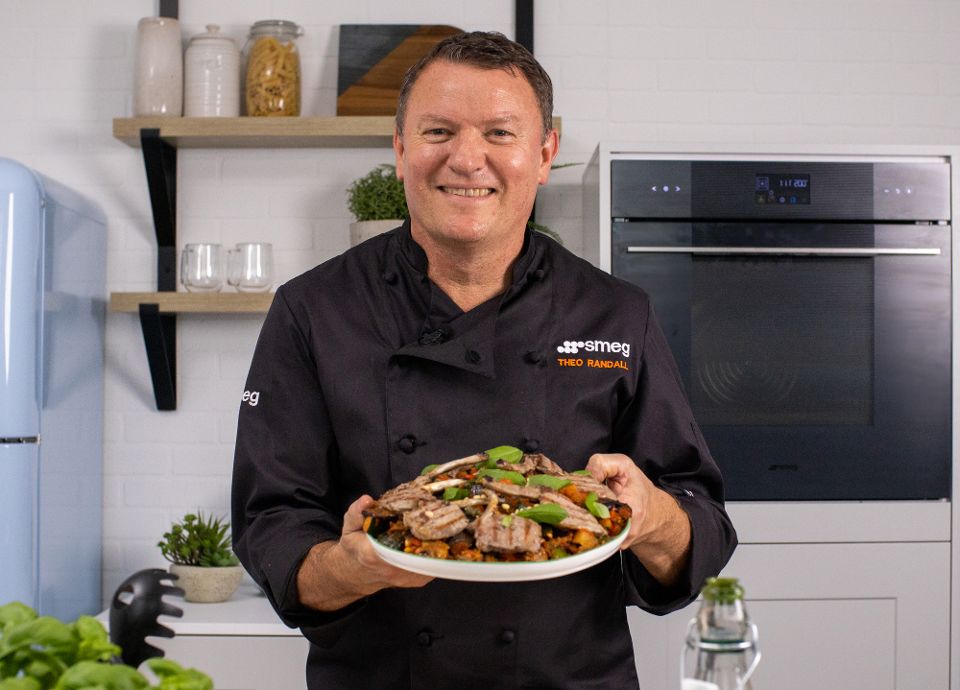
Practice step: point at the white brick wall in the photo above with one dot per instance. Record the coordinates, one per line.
(686, 71)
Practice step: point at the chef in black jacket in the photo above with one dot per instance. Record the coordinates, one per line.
(460, 331)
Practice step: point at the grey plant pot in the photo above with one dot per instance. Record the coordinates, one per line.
(207, 585)
(363, 230)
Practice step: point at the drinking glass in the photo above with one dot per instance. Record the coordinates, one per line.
(251, 267)
(201, 267)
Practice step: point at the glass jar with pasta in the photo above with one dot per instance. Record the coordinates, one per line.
(272, 74)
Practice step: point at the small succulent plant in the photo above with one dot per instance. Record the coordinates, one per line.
(198, 540)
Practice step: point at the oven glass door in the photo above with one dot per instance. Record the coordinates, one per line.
(816, 356)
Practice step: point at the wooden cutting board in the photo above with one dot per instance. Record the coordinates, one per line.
(372, 60)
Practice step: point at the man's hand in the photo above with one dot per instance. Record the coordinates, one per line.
(659, 528)
(337, 573)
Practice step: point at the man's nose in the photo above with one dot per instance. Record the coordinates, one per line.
(467, 152)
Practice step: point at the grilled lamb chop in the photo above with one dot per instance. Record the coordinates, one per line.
(577, 517)
(511, 489)
(546, 465)
(586, 484)
(453, 464)
(404, 497)
(519, 535)
(526, 465)
(435, 519)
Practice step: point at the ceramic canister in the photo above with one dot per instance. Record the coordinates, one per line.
(158, 82)
(211, 76)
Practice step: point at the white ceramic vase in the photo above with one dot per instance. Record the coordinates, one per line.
(158, 76)
(207, 585)
(363, 230)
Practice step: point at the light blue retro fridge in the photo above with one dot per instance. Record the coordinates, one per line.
(52, 304)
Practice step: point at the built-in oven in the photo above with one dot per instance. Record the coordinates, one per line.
(807, 303)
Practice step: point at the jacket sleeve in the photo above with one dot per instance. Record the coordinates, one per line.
(657, 429)
(285, 466)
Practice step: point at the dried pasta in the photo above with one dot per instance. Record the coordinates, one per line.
(273, 78)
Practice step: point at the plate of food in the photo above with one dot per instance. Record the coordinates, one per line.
(497, 516)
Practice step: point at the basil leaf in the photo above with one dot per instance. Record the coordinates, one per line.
(548, 513)
(585, 473)
(550, 481)
(596, 508)
(454, 493)
(497, 475)
(428, 469)
(505, 453)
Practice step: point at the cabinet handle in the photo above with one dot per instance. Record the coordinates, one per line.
(790, 251)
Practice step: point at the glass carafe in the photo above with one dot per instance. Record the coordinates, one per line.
(721, 651)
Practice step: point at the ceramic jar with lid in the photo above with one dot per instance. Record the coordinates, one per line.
(158, 77)
(211, 85)
(272, 73)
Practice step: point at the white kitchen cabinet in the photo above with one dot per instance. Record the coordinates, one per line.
(243, 662)
(861, 614)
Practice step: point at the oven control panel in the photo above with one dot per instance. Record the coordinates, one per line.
(804, 190)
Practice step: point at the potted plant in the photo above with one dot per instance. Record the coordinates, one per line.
(198, 548)
(377, 202)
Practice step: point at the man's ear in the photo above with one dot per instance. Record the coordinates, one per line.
(398, 152)
(548, 152)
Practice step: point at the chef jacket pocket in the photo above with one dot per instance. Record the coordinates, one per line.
(465, 658)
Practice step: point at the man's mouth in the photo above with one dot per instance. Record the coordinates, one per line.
(467, 191)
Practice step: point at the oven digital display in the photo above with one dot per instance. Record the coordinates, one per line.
(780, 188)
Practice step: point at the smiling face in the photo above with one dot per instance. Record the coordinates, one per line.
(471, 156)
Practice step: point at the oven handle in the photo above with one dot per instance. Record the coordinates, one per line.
(790, 251)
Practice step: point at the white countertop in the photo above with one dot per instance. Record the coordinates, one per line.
(247, 613)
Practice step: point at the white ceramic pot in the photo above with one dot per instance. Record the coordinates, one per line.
(365, 229)
(207, 585)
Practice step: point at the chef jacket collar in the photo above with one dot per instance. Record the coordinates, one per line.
(527, 264)
(463, 339)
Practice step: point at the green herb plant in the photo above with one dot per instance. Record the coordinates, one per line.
(378, 195)
(198, 540)
(44, 653)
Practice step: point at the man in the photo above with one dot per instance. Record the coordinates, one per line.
(457, 332)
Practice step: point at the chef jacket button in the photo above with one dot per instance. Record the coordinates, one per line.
(474, 357)
(407, 444)
(539, 274)
(390, 277)
(530, 445)
(508, 636)
(533, 357)
(424, 638)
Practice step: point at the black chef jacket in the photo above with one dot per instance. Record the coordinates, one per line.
(365, 372)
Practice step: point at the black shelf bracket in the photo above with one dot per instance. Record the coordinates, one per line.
(160, 330)
(160, 337)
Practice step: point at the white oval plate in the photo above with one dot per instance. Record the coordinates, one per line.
(498, 572)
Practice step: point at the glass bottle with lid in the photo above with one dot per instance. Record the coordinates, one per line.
(211, 86)
(721, 650)
(272, 73)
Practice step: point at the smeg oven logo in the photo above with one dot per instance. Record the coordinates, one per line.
(594, 354)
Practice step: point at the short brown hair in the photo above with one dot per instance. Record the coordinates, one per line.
(486, 50)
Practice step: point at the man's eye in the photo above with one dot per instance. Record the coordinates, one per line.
(500, 133)
(436, 132)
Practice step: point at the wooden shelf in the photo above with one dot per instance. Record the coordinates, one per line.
(260, 132)
(193, 302)
(263, 132)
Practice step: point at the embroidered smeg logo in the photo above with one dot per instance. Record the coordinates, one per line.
(572, 347)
